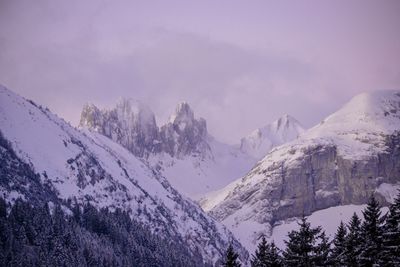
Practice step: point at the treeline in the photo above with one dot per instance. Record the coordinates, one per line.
(373, 241)
(44, 236)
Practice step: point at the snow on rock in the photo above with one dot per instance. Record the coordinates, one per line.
(184, 135)
(130, 123)
(389, 191)
(262, 140)
(89, 167)
(341, 161)
(181, 150)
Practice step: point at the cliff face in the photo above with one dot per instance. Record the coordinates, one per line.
(343, 160)
(130, 123)
(324, 179)
(184, 135)
(133, 125)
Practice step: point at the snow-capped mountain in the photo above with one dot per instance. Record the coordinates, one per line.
(262, 140)
(182, 150)
(85, 166)
(349, 155)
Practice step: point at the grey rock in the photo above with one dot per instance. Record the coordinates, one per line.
(133, 125)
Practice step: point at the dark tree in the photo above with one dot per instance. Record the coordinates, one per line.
(260, 257)
(301, 249)
(338, 256)
(231, 258)
(390, 255)
(322, 250)
(34, 236)
(266, 255)
(353, 241)
(371, 233)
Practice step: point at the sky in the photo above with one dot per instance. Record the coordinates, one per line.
(239, 64)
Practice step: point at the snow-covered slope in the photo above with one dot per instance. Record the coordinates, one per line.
(262, 140)
(195, 176)
(182, 150)
(90, 167)
(349, 155)
(329, 219)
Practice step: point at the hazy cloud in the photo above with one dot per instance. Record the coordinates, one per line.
(239, 67)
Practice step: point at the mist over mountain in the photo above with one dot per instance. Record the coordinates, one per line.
(182, 150)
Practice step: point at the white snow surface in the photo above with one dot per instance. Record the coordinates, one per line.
(262, 140)
(47, 143)
(388, 191)
(249, 233)
(201, 177)
(329, 219)
(195, 176)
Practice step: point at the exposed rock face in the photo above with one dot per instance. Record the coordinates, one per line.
(183, 134)
(130, 123)
(133, 125)
(323, 179)
(341, 161)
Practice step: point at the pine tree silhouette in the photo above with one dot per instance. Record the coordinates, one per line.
(371, 233)
(231, 258)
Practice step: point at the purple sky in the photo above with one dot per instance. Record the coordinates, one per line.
(240, 64)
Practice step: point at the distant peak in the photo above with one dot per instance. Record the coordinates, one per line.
(183, 112)
(286, 121)
(89, 106)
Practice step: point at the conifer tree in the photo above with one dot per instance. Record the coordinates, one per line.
(371, 234)
(266, 255)
(353, 241)
(231, 258)
(339, 246)
(322, 250)
(390, 255)
(260, 257)
(301, 249)
(274, 257)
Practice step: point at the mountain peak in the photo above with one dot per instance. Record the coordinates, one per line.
(134, 111)
(285, 121)
(259, 142)
(372, 112)
(183, 113)
(184, 134)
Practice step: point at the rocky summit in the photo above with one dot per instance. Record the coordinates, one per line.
(350, 155)
(133, 125)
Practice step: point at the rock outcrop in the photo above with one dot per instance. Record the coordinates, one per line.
(133, 125)
(184, 135)
(130, 123)
(343, 160)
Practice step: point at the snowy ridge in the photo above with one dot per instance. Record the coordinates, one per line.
(181, 150)
(262, 140)
(351, 154)
(89, 167)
